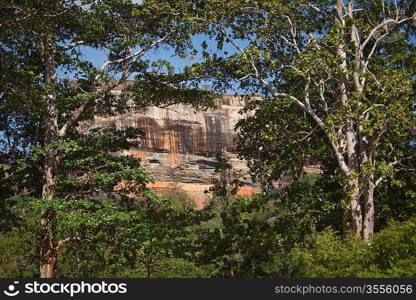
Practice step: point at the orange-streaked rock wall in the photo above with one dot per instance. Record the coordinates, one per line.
(180, 144)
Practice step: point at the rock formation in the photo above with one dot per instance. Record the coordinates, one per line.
(180, 143)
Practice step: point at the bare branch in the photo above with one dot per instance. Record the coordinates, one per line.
(72, 45)
(380, 179)
(135, 55)
(18, 20)
(379, 85)
(375, 47)
(293, 32)
(318, 121)
(314, 7)
(231, 40)
(322, 94)
(309, 134)
(306, 91)
(80, 110)
(381, 25)
(363, 115)
(61, 243)
(246, 76)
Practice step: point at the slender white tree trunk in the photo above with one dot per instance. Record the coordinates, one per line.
(353, 192)
(368, 228)
(351, 188)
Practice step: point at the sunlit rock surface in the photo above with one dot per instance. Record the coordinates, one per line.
(179, 146)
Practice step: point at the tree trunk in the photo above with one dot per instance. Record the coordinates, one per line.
(352, 187)
(50, 166)
(368, 228)
(48, 253)
(346, 223)
(353, 192)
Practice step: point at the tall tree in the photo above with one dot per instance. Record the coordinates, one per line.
(344, 67)
(50, 82)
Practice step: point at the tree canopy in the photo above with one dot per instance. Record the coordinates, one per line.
(336, 80)
(49, 84)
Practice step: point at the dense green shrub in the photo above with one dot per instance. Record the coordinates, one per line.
(328, 256)
(393, 250)
(260, 236)
(179, 268)
(169, 267)
(390, 253)
(18, 255)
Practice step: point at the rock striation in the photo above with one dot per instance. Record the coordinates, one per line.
(179, 144)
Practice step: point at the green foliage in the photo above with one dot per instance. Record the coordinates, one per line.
(275, 146)
(225, 182)
(397, 197)
(329, 256)
(243, 234)
(337, 89)
(50, 83)
(391, 253)
(179, 268)
(18, 254)
(394, 249)
(19, 244)
(152, 230)
(169, 268)
(235, 238)
(103, 219)
(9, 216)
(180, 198)
(247, 237)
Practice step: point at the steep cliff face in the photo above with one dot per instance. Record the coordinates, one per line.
(179, 146)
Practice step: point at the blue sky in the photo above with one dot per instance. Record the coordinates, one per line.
(99, 56)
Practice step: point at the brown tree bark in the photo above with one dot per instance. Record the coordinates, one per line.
(48, 252)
